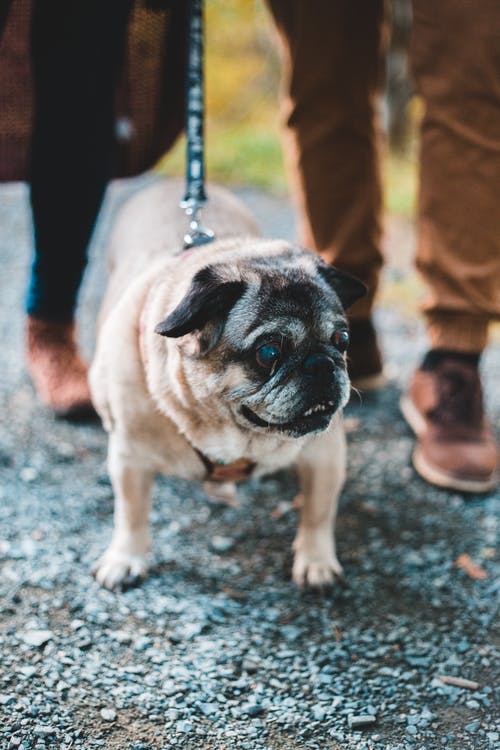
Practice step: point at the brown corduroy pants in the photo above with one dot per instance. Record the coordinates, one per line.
(334, 61)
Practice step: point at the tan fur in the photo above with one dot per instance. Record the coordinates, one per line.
(156, 400)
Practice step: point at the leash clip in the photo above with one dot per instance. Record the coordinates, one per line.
(197, 234)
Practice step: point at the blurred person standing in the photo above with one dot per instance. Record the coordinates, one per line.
(334, 61)
(89, 90)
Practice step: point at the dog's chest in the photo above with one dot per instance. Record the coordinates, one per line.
(236, 457)
(218, 456)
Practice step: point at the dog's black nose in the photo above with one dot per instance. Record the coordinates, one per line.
(319, 364)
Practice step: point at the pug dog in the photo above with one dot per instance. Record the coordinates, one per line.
(221, 362)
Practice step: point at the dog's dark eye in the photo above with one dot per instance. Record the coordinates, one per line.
(268, 355)
(340, 340)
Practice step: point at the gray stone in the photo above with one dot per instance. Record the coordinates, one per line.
(44, 730)
(358, 721)
(121, 636)
(108, 714)
(184, 727)
(252, 709)
(318, 712)
(472, 727)
(37, 638)
(222, 544)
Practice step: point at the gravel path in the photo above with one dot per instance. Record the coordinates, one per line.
(217, 649)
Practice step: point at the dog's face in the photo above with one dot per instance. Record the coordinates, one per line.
(265, 340)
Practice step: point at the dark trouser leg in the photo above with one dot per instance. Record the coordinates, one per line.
(76, 51)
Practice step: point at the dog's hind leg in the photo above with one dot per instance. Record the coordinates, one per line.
(321, 468)
(125, 561)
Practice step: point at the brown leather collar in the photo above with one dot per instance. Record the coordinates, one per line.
(236, 471)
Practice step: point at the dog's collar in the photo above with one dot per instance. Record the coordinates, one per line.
(236, 471)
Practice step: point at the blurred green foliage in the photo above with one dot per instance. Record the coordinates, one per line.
(400, 184)
(243, 121)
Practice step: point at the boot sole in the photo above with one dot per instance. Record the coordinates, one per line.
(433, 474)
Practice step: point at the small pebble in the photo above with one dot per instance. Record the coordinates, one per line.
(472, 727)
(473, 704)
(37, 638)
(44, 731)
(28, 474)
(222, 544)
(361, 720)
(208, 709)
(184, 727)
(108, 714)
(121, 636)
(250, 665)
(318, 712)
(252, 709)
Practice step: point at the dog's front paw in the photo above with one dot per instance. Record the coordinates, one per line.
(309, 571)
(117, 569)
(315, 563)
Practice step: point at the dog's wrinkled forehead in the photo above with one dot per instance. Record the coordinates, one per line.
(293, 289)
(286, 294)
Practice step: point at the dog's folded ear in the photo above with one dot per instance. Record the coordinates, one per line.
(208, 300)
(347, 287)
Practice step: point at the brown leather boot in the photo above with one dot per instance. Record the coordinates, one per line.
(58, 372)
(455, 446)
(364, 360)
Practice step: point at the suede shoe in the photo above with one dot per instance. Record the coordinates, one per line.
(364, 360)
(455, 447)
(57, 370)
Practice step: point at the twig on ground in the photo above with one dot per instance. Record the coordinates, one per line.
(459, 682)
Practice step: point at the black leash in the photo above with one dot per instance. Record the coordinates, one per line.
(195, 197)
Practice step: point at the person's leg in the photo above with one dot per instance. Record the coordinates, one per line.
(333, 70)
(456, 60)
(4, 13)
(76, 54)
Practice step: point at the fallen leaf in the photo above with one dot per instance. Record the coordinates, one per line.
(473, 570)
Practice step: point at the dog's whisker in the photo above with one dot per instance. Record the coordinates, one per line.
(358, 393)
